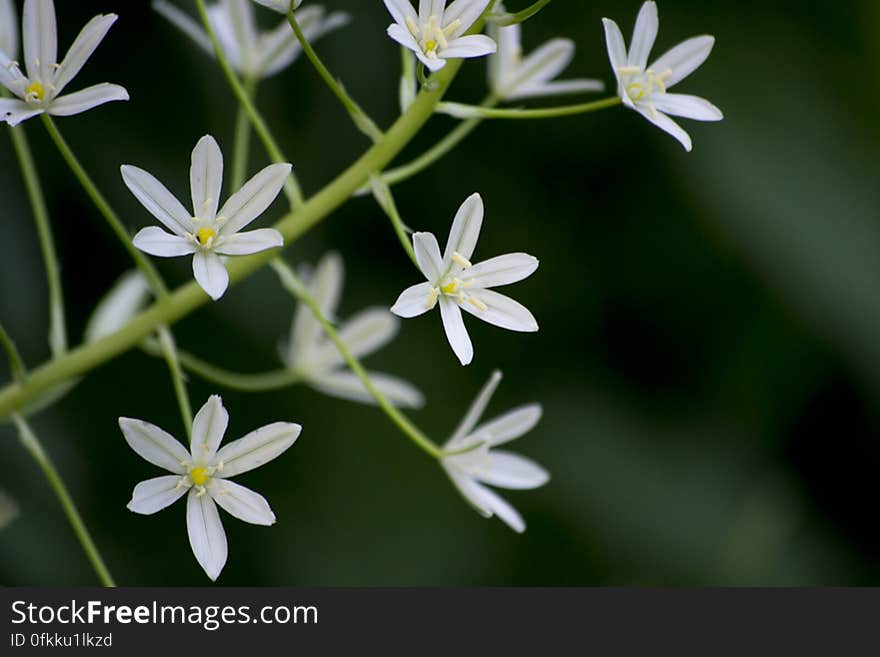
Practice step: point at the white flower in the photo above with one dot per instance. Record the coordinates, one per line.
(128, 296)
(314, 356)
(206, 233)
(281, 6)
(475, 462)
(251, 53)
(455, 284)
(40, 90)
(644, 88)
(204, 473)
(8, 30)
(512, 77)
(437, 32)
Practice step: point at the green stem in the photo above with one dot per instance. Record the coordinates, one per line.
(475, 111)
(57, 329)
(292, 283)
(363, 122)
(242, 138)
(32, 445)
(291, 188)
(104, 208)
(385, 199)
(169, 351)
(16, 364)
(507, 19)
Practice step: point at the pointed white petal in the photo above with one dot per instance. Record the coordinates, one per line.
(253, 198)
(346, 385)
(501, 508)
(206, 535)
(158, 201)
(501, 270)
(86, 99)
(127, 297)
(431, 64)
(476, 410)
(504, 65)
(404, 37)
(429, 8)
(210, 273)
(508, 470)
(428, 256)
(40, 36)
(325, 286)
(153, 495)
(546, 62)
(502, 311)
(208, 428)
(11, 76)
(257, 448)
(249, 242)
(85, 44)
(366, 332)
(8, 30)
(684, 58)
(413, 301)
(644, 36)
(506, 427)
(466, 47)
(667, 125)
(400, 10)
(472, 492)
(689, 107)
(13, 111)
(466, 12)
(155, 445)
(206, 178)
(241, 502)
(157, 242)
(456, 333)
(281, 6)
(557, 88)
(185, 24)
(615, 45)
(465, 230)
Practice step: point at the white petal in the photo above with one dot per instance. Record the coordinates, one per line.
(400, 10)
(465, 230)
(11, 76)
(157, 242)
(428, 255)
(506, 427)
(547, 62)
(557, 88)
(281, 6)
(85, 44)
(257, 448)
(465, 47)
(210, 273)
(325, 286)
(153, 495)
(249, 242)
(501, 508)
(502, 311)
(40, 36)
(507, 470)
(128, 296)
(472, 492)
(466, 12)
(155, 445)
(413, 301)
(14, 111)
(253, 198)
(347, 385)
(206, 535)
(615, 45)
(206, 178)
(86, 99)
(185, 24)
(667, 125)
(208, 428)
(241, 502)
(477, 407)
(156, 198)
(684, 58)
(404, 37)
(366, 332)
(430, 8)
(8, 31)
(501, 270)
(644, 36)
(689, 107)
(432, 64)
(456, 333)
(503, 67)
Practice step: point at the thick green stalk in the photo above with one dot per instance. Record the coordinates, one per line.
(242, 146)
(16, 364)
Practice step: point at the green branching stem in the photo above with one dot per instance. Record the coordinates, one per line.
(385, 199)
(506, 19)
(169, 352)
(242, 144)
(16, 364)
(475, 111)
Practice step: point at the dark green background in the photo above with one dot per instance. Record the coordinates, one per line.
(709, 354)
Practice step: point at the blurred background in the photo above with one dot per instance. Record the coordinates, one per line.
(709, 353)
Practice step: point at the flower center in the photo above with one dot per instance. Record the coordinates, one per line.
(35, 93)
(205, 235)
(200, 476)
(642, 85)
(431, 36)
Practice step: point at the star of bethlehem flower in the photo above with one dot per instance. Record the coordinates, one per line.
(40, 90)
(455, 284)
(253, 54)
(437, 32)
(514, 77)
(645, 88)
(317, 360)
(202, 474)
(474, 461)
(281, 6)
(207, 233)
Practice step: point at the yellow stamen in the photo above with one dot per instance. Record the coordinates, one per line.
(479, 305)
(205, 235)
(199, 476)
(449, 288)
(431, 46)
(35, 91)
(460, 260)
(432, 298)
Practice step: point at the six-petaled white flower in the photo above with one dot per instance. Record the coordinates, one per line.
(251, 53)
(456, 284)
(644, 88)
(281, 6)
(514, 77)
(474, 461)
(39, 91)
(437, 32)
(202, 473)
(206, 234)
(317, 360)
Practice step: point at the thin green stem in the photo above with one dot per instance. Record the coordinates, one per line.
(475, 111)
(30, 442)
(506, 19)
(57, 328)
(169, 351)
(242, 137)
(291, 188)
(363, 122)
(16, 364)
(291, 282)
(104, 208)
(385, 199)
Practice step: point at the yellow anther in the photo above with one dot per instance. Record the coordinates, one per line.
(460, 260)
(450, 288)
(413, 27)
(479, 305)
(199, 476)
(629, 70)
(450, 29)
(430, 46)
(432, 298)
(205, 235)
(35, 91)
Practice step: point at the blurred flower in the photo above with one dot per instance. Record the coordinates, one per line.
(46, 79)
(128, 296)
(512, 77)
(474, 461)
(8, 510)
(644, 88)
(252, 54)
(311, 354)
(206, 234)
(203, 473)
(8, 29)
(437, 32)
(455, 283)
(282, 6)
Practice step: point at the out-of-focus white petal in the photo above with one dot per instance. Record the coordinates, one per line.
(155, 445)
(456, 333)
(185, 24)
(684, 58)
(257, 448)
(465, 230)
(667, 125)
(501, 508)
(502, 311)
(473, 493)
(281, 6)
(466, 47)
(158, 201)
(8, 510)
(428, 255)
(8, 29)
(366, 332)
(126, 298)
(508, 470)
(347, 385)
(83, 46)
(241, 502)
(206, 178)
(157, 242)
(466, 12)
(325, 286)
(644, 36)
(689, 107)
(501, 270)
(477, 407)
(615, 45)
(506, 427)
(206, 535)
(84, 100)
(40, 36)
(413, 301)
(249, 242)
(400, 10)
(11, 76)
(153, 495)
(556, 88)
(210, 273)
(404, 37)
(208, 428)
(253, 198)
